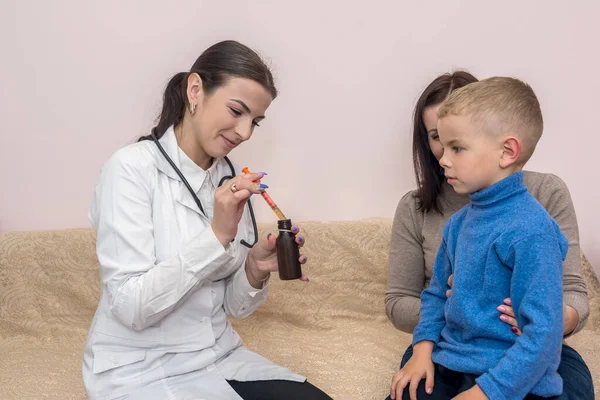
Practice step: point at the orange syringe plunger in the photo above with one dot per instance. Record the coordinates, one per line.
(268, 199)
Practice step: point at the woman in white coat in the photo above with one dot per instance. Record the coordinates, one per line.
(170, 271)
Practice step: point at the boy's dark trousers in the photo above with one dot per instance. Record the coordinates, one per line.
(448, 383)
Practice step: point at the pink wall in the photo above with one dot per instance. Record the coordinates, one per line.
(80, 79)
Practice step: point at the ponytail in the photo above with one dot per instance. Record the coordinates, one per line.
(174, 103)
(215, 66)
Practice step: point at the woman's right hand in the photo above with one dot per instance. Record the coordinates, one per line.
(449, 291)
(230, 200)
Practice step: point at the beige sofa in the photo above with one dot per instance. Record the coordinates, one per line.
(334, 329)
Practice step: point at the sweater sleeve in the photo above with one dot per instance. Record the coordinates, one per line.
(556, 199)
(434, 297)
(406, 267)
(537, 291)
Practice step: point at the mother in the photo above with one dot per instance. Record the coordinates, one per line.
(422, 213)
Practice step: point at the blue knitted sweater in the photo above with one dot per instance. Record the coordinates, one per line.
(502, 244)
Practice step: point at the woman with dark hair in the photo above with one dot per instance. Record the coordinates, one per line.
(422, 214)
(173, 263)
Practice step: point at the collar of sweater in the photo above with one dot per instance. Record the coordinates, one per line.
(502, 190)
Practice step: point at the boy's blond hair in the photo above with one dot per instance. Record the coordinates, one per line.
(502, 106)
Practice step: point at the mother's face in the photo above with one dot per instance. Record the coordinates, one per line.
(430, 120)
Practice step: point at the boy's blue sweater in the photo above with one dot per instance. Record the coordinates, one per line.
(502, 244)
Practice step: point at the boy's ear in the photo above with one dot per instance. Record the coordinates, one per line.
(511, 151)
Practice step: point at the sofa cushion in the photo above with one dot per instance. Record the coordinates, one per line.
(333, 330)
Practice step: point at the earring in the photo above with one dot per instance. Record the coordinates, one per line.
(192, 108)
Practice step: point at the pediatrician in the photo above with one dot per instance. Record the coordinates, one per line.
(174, 247)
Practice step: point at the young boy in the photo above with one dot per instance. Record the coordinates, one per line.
(502, 244)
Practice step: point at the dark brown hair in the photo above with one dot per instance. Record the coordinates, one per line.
(216, 65)
(428, 172)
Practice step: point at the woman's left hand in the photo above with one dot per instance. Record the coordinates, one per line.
(507, 315)
(262, 259)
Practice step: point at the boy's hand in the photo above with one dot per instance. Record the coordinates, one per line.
(418, 367)
(475, 393)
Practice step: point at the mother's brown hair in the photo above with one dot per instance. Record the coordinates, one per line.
(428, 173)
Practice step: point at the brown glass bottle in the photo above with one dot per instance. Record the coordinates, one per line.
(288, 253)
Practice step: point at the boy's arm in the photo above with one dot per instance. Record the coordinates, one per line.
(432, 319)
(536, 285)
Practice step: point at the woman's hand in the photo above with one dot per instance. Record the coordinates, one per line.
(570, 317)
(507, 315)
(449, 291)
(262, 259)
(229, 205)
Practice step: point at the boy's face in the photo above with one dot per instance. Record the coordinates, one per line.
(471, 158)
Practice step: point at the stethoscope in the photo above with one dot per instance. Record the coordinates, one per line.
(197, 200)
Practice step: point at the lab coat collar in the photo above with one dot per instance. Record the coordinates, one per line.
(169, 143)
(219, 169)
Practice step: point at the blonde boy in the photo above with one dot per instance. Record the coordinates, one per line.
(502, 244)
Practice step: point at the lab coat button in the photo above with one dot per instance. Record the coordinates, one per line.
(114, 360)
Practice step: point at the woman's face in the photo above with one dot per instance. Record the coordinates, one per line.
(430, 120)
(227, 117)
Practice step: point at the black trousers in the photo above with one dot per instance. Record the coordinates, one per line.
(448, 384)
(577, 379)
(277, 389)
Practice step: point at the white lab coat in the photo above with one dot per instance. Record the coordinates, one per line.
(167, 283)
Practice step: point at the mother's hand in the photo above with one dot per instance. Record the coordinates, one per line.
(507, 313)
(449, 291)
(262, 259)
(230, 199)
(508, 316)
(570, 317)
